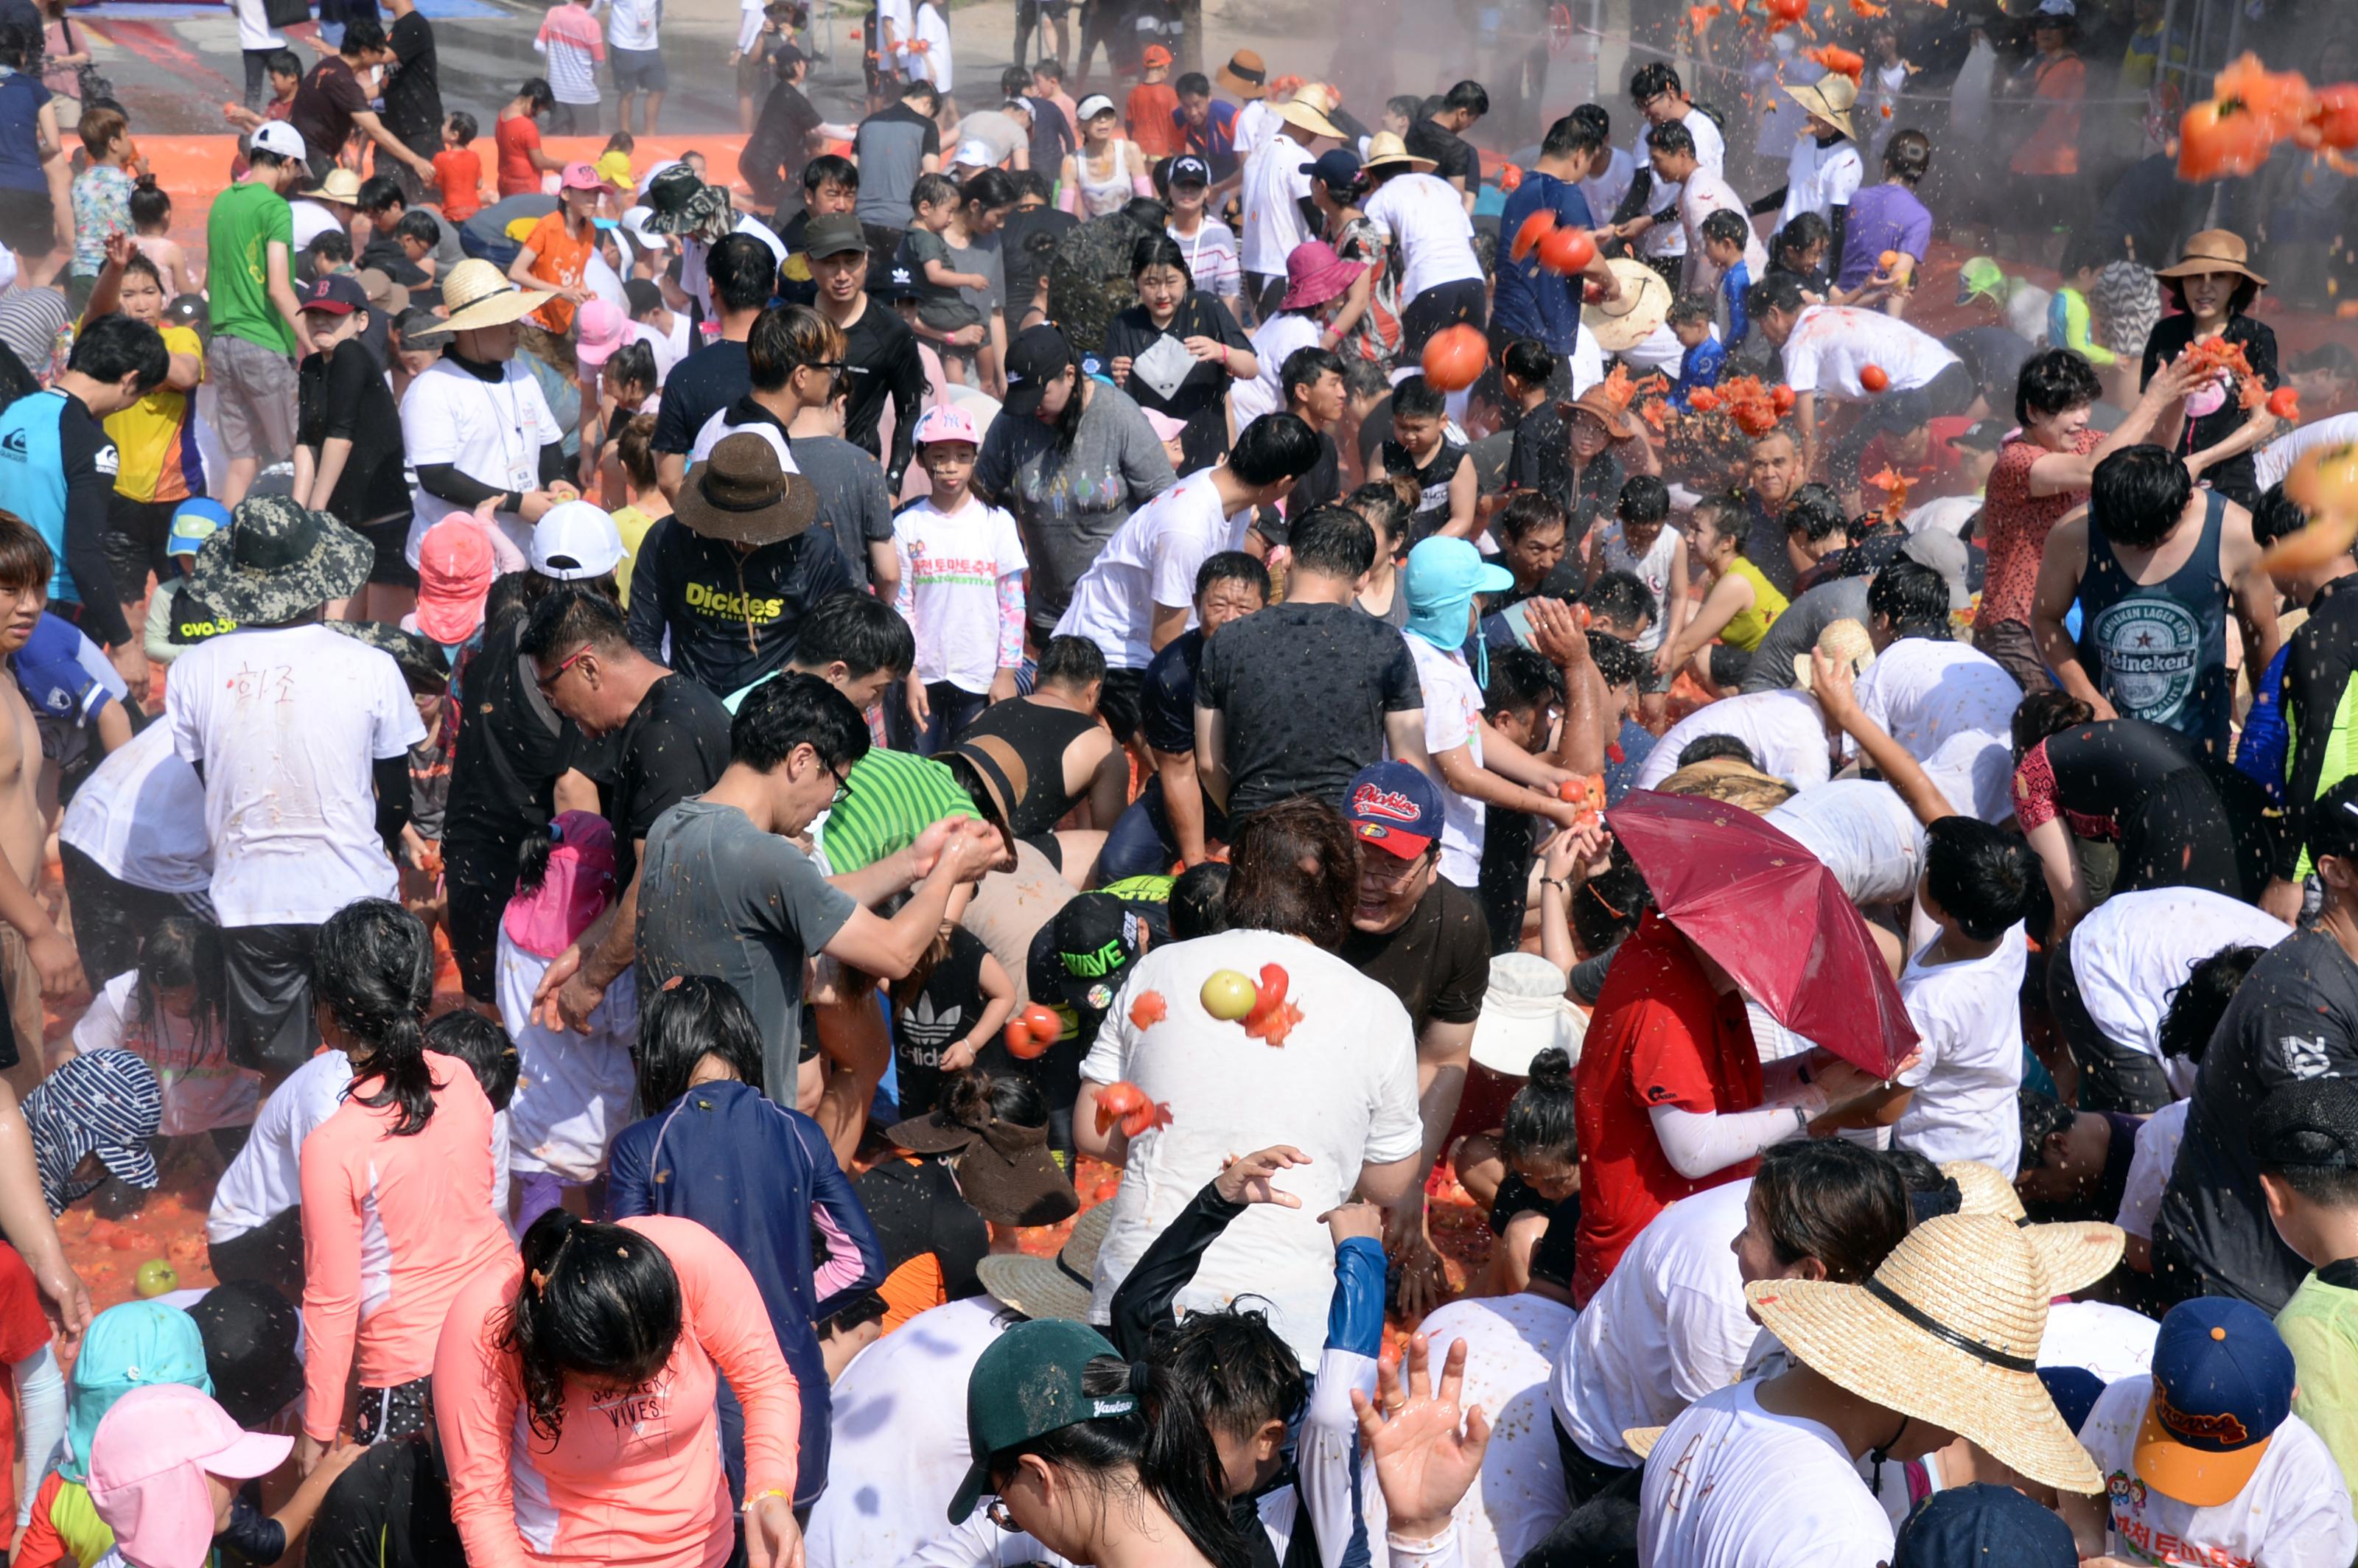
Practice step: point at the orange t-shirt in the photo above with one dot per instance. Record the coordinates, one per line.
(558, 260)
(460, 174)
(2053, 146)
(516, 137)
(1148, 114)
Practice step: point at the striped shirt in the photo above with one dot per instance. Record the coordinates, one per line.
(892, 798)
(569, 36)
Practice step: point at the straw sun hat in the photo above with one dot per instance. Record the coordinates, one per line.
(1845, 640)
(1623, 323)
(2075, 1253)
(1061, 1286)
(478, 293)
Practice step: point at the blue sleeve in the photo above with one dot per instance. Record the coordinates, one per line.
(1355, 1319)
(831, 1193)
(2260, 752)
(629, 1193)
(1735, 285)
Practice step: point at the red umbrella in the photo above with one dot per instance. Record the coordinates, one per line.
(1772, 914)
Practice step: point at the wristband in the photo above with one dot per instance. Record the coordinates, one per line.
(767, 1492)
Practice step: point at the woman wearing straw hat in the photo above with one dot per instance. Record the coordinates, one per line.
(1441, 280)
(474, 423)
(1825, 169)
(2213, 286)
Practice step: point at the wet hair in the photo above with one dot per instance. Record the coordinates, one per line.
(1232, 566)
(1644, 499)
(742, 272)
(2197, 1003)
(1539, 1124)
(286, 62)
(570, 617)
(462, 125)
(1160, 1437)
(537, 94)
(597, 1301)
(1272, 447)
(2138, 495)
(1618, 663)
(1304, 366)
(1610, 904)
(1074, 662)
(1912, 597)
(784, 339)
(116, 346)
(1417, 399)
(1335, 542)
(417, 224)
(2041, 1116)
(858, 631)
(1726, 227)
(1468, 97)
(150, 203)
(1652, 79)
(1194, 84)
(2333, 823)
(1907, 156)
(1384, 505)
(1407, 105)
(1690, 310)
(139, 266)
(362, 32)
(1980, 875)
(1234, 1369)
(378, 193)
(372, 970)
(1804, 232)
(1054, 70)
(1729, 522)
(1711, 747)
(2303, 1134)
(1159, 249)
(680, 1023)
(1520, 682)
(484, 1045)
(634, 447)
(183, 951)
(2277, 516)
(1526, 512)
(1571, 135)
(1268, 889)
(830, 169)
(1527, 361)
(932, 191)
(792, 710)
(1823, 1198)
(1814, 512)
(1672, 136)
(2055, 381)
(633, 364)
(1777, 291)
(1199, 900)
(2045, 713)
(99, 124)
(1621, 598)
(989, 188)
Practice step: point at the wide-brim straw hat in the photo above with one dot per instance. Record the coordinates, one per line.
(1844, 639)
(1524, 1013)
(1246, 75)
(341, 185)
(1730, 782)
(1644, 304)
(1598, 404)
(478, 293)
(1386, 150)
(1947, 1332)
(1062, 1286)
(2215, 250)
(2074, 1253)
(1830, 99)
(1304, 114)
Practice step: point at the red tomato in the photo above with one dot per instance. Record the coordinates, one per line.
(1874, 378)
(1789, 10)
(1148, 1116)
(2219, 139)
(1567, 250)
(1571, 790)
(2337, 116)
(1535, 228)
(1782, 398)
(1455, 357)
(2284, 403)
(1022, 1043)
(1147, 1011)
(1116, 1101)
(1703, 400)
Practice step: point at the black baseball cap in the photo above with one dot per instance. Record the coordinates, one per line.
(1038, 356)
(1093, 941)
(336, 293)
(833, 234)
(1982, 435)
(1188, 169)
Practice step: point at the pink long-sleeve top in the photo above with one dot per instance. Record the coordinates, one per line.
(392, 1229)
(634, 1477)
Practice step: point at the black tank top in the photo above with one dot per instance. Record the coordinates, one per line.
(1018, 747)
(2159, 651)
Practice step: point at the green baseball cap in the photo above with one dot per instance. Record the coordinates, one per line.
(1028, 1384)
(1981, 274)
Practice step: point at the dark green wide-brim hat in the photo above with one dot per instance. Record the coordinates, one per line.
(1027, 1384)
(276, 561)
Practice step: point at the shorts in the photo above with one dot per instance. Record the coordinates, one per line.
(270, 1029)
(133, 544)
(638, 70)
(2011, 644)
(1729, 665)
(389, 539)
(29, 222)
(406, 1409)
(1443, 305)
(1118, 702)
(253, 392)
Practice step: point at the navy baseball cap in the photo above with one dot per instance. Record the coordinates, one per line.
(339, 294)
(1335, 168)
(1394, 807)
(1982, 1525)
(2222, 1383)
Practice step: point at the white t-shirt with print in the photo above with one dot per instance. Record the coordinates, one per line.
(1733, 1486)
(1273, 190)
(266, 1180)
(1951, 706)
(951, 567)
(1453, 718)
(1426, 218)
(1783, 729)
(1273, 341)
(1821, 179)
(2134, 948)
(1342, 1089)
(141, 817)
(2158, 1138)
(1861, 831)
(2111, 1342)
(491, 431)
(1668, 1326)
(632, 24)
(1652, 569)
(2293, 1513)
(1151, 559)
(202, 1089)
(1710, 152)
(1969, 1014)
(1831, 343)
(285, 726)
(1604, 191)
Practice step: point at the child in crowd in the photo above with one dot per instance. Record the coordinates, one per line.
(151, 231)
(172, 1012)
(962, 569)
(2068, 324)
(286, 71)
(455, 569)
(1641, 543)
(575, 1092)
(458, 172)
(1800, 248)
(193, 522)
(1151, 111)
(125, 1347)
(92, 1120)
(949, 1007)
(416, 233)
(1527, 1173)
(165, 1467)
(1420, 450)
(2304, 1139)
(1541, 456)
(934, 204)
(1724, 236)
(1705, 359)
(575, 46)
(1623, 671)
(102, 197)
(644, 502)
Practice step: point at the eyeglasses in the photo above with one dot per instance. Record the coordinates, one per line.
(996, 1511)
(1385, 876)
(547, 683)
(842, 787)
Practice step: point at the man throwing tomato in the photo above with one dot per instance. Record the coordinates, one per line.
(1901, 378)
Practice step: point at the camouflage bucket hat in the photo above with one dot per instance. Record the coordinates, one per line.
(679, 203)
(276, 560)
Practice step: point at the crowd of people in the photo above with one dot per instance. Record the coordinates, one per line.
(1656, 768)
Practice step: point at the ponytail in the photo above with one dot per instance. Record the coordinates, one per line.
(1538, 1127)
(374, 971)
(597, 1301)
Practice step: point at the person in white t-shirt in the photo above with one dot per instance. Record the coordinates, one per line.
(254, 1229)
(2204, 1460)
(1947, 704)
(1275, 197)
(1139, 593)
(1839, 353)
(1423, 219)
(302, 737)
(961, 586)
(1825, 169)
(2273, 461)
(634, 54)
(1697, 192)
(1655, 88)
(134, 850)
(1783, 730)
(1938, 1343)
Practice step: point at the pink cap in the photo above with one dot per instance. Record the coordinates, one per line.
(582, 177)
(575, 887)
(149, 1462)
(455, 567)
(600, 328)
(946, 422)
(1165, 427)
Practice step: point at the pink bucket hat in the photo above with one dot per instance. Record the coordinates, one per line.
(946, 422)
(455, 567)
(574, 889)
(1314, 274)
(600, 328)
(148, 1468)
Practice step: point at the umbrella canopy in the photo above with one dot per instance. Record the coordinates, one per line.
(1770, 914)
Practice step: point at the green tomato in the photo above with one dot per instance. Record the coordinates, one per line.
(155, 1277)
(1230, 995)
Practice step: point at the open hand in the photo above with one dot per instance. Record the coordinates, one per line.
(1425, 1463)
(1252, 1179)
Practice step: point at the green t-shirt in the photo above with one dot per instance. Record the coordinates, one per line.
(890, 797)
(2320, 1325)
(246, 219)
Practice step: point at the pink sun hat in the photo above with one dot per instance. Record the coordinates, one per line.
(149, 1462)
(600, 328)
(1314, 274)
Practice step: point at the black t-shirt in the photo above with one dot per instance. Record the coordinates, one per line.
(881, 361)
(699, 386)
(673, 745)
(732, 619)
(1455, 155)
(1432, 481)
(391, 1505)
(1322, 486)
(1437, 963)
(324, 105)
(1375, 432)
(944, 1013)
(1057, 1073)
(345, 398)
(1166, 699)
(2295, 1017)
(1302, 694)
(512, 748)
(2238, 477)
(413, 94)
(916, 1210)
(1199, 315)
(781, 138)
(1028, 239)
(1541, 458)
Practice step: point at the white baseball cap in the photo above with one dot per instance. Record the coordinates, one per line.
(975, 154)
(574, 540)
(280, 139)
